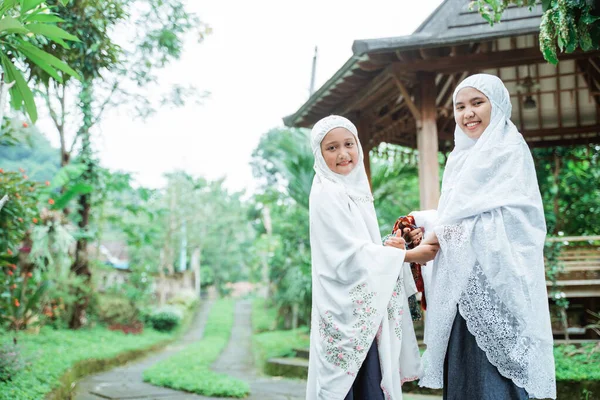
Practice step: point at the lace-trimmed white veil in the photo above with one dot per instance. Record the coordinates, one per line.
(491, 230)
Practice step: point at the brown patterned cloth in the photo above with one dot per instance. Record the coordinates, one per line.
(401, 224)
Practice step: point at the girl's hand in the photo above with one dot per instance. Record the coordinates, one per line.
(421, 254)
(415, 236)
(396, 241)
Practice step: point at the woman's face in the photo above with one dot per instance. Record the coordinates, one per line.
(340, 150)
(472, 112)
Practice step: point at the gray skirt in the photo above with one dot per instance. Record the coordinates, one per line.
(367, 385)
(469, 375)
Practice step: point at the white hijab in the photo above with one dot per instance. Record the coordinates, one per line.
(491, 230)
(360, 288)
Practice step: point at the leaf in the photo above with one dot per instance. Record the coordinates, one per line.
(20, 87)
(64, 2)
(11, 25)
(66, 174)
(7, 5)
(50, 59)
(40, 63)
(546, 4)
(46, 18)
(51, 31)
(27, 5)
(35, 298)
(71, 193)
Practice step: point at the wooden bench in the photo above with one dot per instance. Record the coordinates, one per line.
(580, 257)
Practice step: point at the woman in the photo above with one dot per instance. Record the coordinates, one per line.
(488, 330)
(360, 287)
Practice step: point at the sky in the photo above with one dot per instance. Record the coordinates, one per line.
(256, 65)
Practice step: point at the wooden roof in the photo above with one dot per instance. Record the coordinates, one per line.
(380, 83)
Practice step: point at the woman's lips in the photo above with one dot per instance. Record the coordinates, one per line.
(344, 163)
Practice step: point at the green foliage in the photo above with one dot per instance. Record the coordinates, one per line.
(10, 361)
(23, 26)
(577, 363)
(28, 149)
(19, 214)
(53, 352)
(264, 316)
(116, 310)
(568, 179)
(566, 25)
(395, 183)
(189, 369)
(164, 321)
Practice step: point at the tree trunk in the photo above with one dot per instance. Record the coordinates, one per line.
(81, 265)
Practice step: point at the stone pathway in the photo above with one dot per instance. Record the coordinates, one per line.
(125, 382)
(237, 361)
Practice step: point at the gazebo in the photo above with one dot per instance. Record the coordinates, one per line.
(399, 90)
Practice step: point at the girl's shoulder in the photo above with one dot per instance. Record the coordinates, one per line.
(326, 193)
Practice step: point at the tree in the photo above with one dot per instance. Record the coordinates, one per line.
(111, 75)
(566, 24)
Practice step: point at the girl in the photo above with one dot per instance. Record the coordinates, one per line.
(360, 288)
(487, 330)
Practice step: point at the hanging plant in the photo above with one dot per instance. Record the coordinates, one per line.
(566, 25)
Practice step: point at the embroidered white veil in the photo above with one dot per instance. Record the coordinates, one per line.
(491, 230)
(360, 287)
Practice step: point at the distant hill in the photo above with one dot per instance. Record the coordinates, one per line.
(35, 155)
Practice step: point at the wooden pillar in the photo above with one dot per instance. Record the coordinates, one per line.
(427, 143)
(364, 135)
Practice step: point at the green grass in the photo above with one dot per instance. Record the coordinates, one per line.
(269, 343)
(189, 369)
(264, 318)
(577, 364)
(51, 353)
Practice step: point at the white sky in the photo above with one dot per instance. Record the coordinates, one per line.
(257, 65)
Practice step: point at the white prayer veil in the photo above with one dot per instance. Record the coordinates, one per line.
(356, 182)
(359, 287)
(491, 230)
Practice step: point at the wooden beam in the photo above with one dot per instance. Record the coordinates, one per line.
(478, 61)
(558, 131)
(366, 91)
(427, 143)
(409, 103)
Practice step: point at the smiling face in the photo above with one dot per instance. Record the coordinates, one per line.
(472, 112)
(340, 150)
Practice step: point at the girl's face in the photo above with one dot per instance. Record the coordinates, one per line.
(472, 112)
(340, 150)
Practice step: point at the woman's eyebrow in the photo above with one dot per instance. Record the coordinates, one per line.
(330, 143)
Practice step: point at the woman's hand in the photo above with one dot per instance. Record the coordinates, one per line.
(431, 238)
(396, 241)
(422, 253)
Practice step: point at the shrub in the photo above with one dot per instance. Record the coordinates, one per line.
(164, 321)
(10, 361)
(187, 300)
(116, 310)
